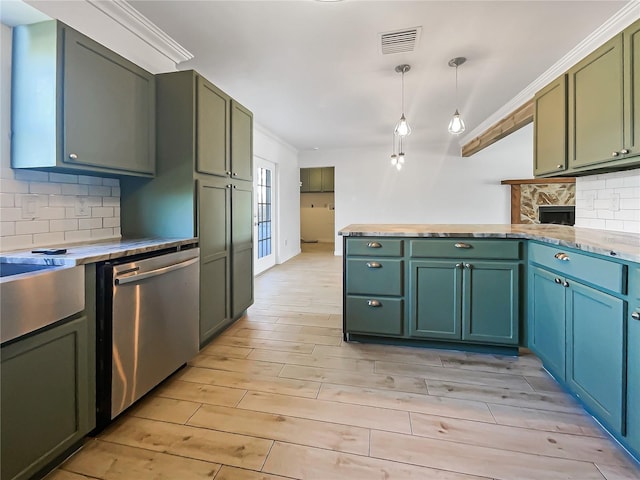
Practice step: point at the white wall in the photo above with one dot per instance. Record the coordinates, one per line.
(317, 217)
(271, 148)
(609, 201)
(434, 187)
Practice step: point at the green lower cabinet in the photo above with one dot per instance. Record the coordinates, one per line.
(633, 377)
(436, 299)
(547, 319)
(595, 360)
(473, 302)
(374, 315)
(490, 307)
(45, 407)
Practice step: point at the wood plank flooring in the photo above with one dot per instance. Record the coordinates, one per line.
(279, 395)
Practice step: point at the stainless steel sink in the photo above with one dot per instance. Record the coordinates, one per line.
(34, 296)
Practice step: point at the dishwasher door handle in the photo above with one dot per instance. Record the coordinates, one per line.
(154, 273)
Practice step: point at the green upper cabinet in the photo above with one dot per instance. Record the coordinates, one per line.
(631, 41)
(241, 142)
(212, 129)
(596, 106)
(550, 128)
(77, 106)
(317, 180)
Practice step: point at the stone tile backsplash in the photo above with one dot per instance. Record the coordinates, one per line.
(41, 208)
(609, 201)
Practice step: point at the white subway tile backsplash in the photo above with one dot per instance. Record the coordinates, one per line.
(89, 223)
(111, 182)
(63, 225)
(7, 199)
(111, 201)
(74, 189)
(111, 222)
(87, 180)
(609, 201)
(102, 212)
(77, 235)
(63, 178)
(45, 188)
(99, 191)
(31, 176)
(8, 185)
(102, 233)
(17, 242)
(7, 229)
(48, 238)
(70, 208)
(31, 226)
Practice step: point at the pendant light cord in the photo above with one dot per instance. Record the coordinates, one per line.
(402, 90)
(457, 106)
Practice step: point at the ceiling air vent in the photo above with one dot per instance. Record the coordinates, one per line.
(400, 41)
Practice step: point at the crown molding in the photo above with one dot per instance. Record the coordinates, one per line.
(131, 19)
(268, 133)
(614, 25)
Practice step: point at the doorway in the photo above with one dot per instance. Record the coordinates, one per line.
(264, 184)
(317, 208)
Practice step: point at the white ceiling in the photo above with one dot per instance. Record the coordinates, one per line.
(313, 74)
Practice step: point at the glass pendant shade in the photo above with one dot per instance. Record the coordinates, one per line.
(402, 128)
(456, 125)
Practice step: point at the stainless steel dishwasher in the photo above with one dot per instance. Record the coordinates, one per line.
(148, 326)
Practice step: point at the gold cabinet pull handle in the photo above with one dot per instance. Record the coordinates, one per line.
(562, 256)
(462, 245)
(374, 303)
(374, 245)
(374, 265)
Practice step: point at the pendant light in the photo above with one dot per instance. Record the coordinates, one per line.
(456, 125)
(402, 127)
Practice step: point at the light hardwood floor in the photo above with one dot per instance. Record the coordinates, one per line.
(279, 395)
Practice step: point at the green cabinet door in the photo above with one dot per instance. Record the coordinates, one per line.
(436, 299)
(595, 351)
(633, 374)
(328, 179)
(214, 237)
(304, 180)
(490, 307)
(546, 318)
(550, 128)
(212, 129)
(241, 248)
(596, 107)
(315, 180)
(631, 41)
(78, 106)
(44, 394)
(241, 142)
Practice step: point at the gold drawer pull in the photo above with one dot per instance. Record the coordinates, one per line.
(374, 245)
(562, 256)
(374, 303)
(462, 245)
(374, 265)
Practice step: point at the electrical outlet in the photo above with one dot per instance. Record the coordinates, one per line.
(82, 207)
(615, 202)
(285, 242)
(30, 207)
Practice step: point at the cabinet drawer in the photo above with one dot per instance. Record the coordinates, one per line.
(368, 276)
(464, 248)
(380, 247)
(634, 282)
(597, 271)
(375, 315)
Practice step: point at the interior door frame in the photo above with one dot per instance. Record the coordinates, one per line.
(263, 264)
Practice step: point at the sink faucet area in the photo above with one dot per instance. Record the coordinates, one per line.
(59, 291)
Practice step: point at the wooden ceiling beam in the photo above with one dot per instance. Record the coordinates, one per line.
(517, 119)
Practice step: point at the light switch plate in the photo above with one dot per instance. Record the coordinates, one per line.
(30, 207)
(82, 207)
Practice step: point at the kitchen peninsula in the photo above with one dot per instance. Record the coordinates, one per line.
(571, 295)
